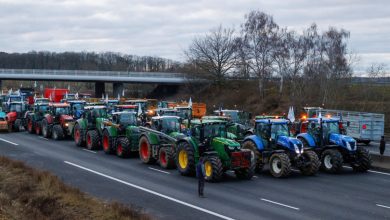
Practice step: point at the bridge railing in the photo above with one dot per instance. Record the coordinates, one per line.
(92, 73)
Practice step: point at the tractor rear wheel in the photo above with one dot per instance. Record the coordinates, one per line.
(107, 143)
(145, 151)
(213, 168)
(17, 125)
(46, 133)
(38, 130)
(10, 127)
(92, 140)
(58, 132)
(255, 153)
(363, 161)
(280, 165)
(30, 126)
(246, 173)
(314, 163)
(78, 137)
(166, 158)
(123, 149)
(331, 161)
(185, 159)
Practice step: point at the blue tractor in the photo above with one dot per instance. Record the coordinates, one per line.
(272, 144)
(325, 136)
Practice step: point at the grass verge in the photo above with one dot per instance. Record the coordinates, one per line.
(27, 193)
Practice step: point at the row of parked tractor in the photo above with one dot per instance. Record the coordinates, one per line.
(177, 135)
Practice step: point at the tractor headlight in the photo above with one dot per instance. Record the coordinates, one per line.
(66, 124)
(348, 145)
(297, 150)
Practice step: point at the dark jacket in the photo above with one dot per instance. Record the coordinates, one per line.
(200, 173)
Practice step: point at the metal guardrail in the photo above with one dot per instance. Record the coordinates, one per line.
(92, 73)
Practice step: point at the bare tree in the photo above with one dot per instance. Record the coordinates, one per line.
(214, 53)
(259, 36)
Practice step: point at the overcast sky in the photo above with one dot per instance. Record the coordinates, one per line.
(166, 27)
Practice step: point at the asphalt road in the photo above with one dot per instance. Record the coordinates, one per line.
(167, 195)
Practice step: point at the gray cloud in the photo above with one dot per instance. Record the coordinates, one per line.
(166, 27)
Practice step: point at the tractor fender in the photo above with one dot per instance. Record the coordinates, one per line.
(49, 118)
(191, 143)
(256, 140)
(308, 138)
(210, 153)
(112, 131)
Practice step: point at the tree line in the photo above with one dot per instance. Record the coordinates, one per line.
(306, 62)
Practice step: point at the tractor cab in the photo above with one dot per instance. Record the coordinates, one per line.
(77, 108)
(41, 100)
(57, 109)
(17, 107)
(124, 108)
(166, 124)
(41, 108)
(92, 113)
(184, 112)
(124, 119)
(168, 112)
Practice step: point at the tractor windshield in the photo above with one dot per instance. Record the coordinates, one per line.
(170, 125)
(184, 113)
(215, 130)
(15, 99)
(127, 119)
(330, 128)
(77, 106)
(279, 130)
(42, 108)
(61, 111)
(100, 113)
(15, 107)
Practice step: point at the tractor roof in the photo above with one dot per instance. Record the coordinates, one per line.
(124, 113)
(17, 102)
(273, 121)
(42, 103)
(126, 106)
(269, 117)
(197, 121)
(227, 110)
(324, 119)
(136, 100)
(95, 107)
(59, 105)
(214, 117)
(76, 101)
(164, 116)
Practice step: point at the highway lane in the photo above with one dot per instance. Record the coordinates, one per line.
(167, 195)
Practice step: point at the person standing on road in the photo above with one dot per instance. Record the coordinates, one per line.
(382, 146)
(200, 174)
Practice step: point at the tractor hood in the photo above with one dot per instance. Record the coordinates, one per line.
(12, 116)
(290, 143)
(231, 144)
(177, 135)
(66, 118)
(343, 141)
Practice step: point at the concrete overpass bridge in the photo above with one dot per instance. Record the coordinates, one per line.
(117, 78)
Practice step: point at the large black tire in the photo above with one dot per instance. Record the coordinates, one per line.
(46, 132)
(10, 127)
(256, 154)
(38, 128)
(185, 159)
(280, 165)
(107, 143)
(30, 126)
(145, 151)
(363, 160)
(213, 168)
(79, 138)
(331, 161)
(92, 140)
(17, 125)
(58, 132)
(166, 158)
(246, 173)
(122, 148)
(314, 163)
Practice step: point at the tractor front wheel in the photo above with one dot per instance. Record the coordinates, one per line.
(185, 159)
(280, 165)
(166, 158)
(363, 160)
(78, 137)
(58, 133)
(92, 140)
(123, 149)
(331, 161)
(45, 129)
(145, 151)
(17, 125)
(30, 126)
(213, 169)
(107, 143)
(313, 163)
(38, 130)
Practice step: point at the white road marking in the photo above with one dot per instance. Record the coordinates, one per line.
(151, 191)
(371, 171)
(90, 151)
(255, 177)
(162, 171)
(9, 142)
(383, 206)
(281, 204)
(43, 138)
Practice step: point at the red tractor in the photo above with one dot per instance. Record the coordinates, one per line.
(14, 116)
(58, 121)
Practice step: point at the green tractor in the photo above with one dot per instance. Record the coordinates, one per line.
(88, 129)
(34, 118)
(121, 134)
(208, 139)
(158, 143)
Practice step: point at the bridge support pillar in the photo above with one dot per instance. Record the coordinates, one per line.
(99, 89)
(117, 89)
(1, 85)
